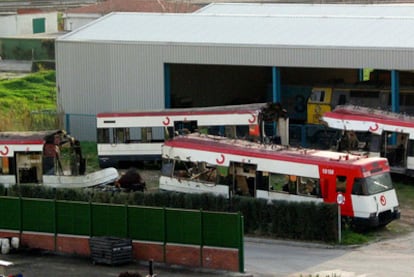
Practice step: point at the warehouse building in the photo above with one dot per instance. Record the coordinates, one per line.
(224, 54)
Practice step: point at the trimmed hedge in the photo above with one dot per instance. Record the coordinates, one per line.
(279, 219)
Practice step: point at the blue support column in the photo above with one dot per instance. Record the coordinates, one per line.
(276, 88)
(360, 75)
(276, 92)
(167, 86)
(395, 97)
(395, 91)
(67, 120)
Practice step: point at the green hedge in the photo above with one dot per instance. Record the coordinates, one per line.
(279, 219)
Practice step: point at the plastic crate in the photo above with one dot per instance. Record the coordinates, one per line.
(110, 250)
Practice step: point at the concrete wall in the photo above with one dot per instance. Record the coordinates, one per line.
(72, 21)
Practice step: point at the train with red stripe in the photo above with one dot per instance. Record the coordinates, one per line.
(198, 163)
(135, 136)
(51, 158)
(378, 133)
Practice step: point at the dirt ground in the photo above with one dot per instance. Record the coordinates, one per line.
(35, 263)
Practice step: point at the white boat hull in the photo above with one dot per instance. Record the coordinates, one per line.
(103, 176)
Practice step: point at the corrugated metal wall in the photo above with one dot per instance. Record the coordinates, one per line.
(93, 77)
(105, 77)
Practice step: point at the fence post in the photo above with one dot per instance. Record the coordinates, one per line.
(165, 234)
(55, 224)
(241, 244)
(90, 219)
(20, 216)
(126, 221)
(201, 237)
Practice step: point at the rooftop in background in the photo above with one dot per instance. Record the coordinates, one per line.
(15, 5)
(255, 30)
(312, 10)
(160, 6)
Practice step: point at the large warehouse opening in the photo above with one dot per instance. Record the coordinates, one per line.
(215, 85)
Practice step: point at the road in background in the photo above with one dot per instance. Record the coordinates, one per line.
(392, 257)
(263, 258)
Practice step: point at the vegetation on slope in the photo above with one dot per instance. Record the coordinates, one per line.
(29, 103)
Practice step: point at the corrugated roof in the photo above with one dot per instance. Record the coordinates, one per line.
(254, 30)
(317, 10)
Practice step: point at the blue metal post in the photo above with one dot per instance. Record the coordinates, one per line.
(395, 97)
(360, 75)
(276, 91)
(395, 91)
(167, 85)
(67, 120)
(276, 88)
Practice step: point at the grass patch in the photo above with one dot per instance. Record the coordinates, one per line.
(90, 153)
(352, 238)
(405, 192)
(29, 103)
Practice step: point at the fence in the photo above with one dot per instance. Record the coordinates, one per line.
(159, 225)
(81, 126)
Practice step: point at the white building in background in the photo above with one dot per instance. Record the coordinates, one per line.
(27, 23)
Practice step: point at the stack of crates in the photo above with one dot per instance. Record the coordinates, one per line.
(110, 250)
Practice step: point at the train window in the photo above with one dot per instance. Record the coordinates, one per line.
(359, 187)
(193, 171)
(103, 135)
(185, 127)
(378, 183)
(340, 183)
(308, 186)
(372, 185)
(317, 96)
(146, 134)
(375, 145)
(121, 135)
(282, 182)
(224, 176)
(167, 168)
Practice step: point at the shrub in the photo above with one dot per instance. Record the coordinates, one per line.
(282, 219)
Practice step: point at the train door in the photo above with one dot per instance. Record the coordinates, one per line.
(28, 167)
(244, 178)
(334, 181)
(410, 157)
(7, 170)
(394, 148)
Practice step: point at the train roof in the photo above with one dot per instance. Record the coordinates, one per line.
(274, 152)
(27, 137)
(227, 109)
(371, 119)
